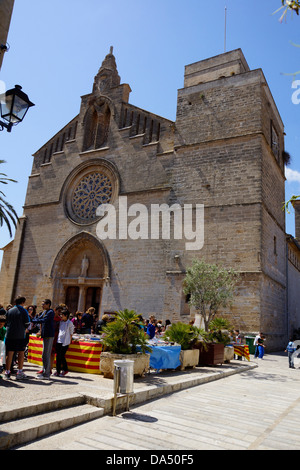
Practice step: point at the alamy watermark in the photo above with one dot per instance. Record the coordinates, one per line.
(159, 222)
(296, 94)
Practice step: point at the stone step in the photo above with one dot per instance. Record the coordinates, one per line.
(10, 413)
(26, 429)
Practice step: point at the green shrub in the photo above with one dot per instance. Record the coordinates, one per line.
(183, 334)
(123, 336)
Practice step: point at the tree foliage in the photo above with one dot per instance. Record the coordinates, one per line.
(8, 215)
(210, 287)
(289, 5)
(290, 201)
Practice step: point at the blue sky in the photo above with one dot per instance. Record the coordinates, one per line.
(57, 47)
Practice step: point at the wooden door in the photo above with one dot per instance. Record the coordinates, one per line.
(93, 297)
(72, 296)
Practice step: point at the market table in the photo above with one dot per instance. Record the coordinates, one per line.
(82, 356)
(242, 350)
(165, 357)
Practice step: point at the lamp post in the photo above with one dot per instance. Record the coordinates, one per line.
(14, 104)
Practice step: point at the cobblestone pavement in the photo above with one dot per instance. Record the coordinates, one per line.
(254, 410)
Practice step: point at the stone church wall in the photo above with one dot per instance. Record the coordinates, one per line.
(224, 151)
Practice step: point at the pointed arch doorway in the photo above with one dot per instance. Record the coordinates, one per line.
(91, 297)
(80, 272)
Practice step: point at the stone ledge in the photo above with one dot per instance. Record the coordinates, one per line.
(164, 387)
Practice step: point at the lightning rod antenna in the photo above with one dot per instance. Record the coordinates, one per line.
(225, 25)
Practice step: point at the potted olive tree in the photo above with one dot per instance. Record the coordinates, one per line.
(124, 339)
(185, 335)
(210, 287)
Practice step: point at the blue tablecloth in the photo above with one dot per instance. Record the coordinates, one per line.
(165, 357)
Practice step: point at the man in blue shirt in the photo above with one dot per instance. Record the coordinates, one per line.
(17, 319)
(151, 327)
(290, 349)
(46, 319)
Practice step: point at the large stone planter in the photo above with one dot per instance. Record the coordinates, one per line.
(189, 358)
(228, 353)
(141, 363)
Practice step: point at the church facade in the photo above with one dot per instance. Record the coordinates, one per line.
(222, 159)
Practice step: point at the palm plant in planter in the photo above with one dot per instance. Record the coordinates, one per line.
(123, 339)
(219, 334)
(185, 335)
(218, 330)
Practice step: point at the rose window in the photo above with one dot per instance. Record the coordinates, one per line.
(93, 190)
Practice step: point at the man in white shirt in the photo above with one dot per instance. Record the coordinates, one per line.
(255, 343)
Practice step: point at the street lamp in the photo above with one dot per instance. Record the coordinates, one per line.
(14, 104)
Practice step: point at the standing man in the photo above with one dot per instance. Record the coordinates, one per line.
(290, 349)
(261, 347)
(17, 321)
(151, 327)
(47, 321)
(88, 321)
(255, 343)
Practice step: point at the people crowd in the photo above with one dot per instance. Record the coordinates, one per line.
(55, 326)
(153, 327)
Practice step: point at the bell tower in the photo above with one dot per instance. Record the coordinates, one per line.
(107, 76)
(102, 107)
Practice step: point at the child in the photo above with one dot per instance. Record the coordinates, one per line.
(290, 349)
(77, 322)
(66, 329)
(2, 344)
(238, 340)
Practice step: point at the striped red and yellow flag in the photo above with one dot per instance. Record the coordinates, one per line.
(82, 356)
(242, 350)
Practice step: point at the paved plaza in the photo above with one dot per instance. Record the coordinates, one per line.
(256, 409)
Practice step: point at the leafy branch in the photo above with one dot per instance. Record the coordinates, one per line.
(210, 287)
(8, 214)
(290, 201)
(288, 5)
